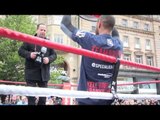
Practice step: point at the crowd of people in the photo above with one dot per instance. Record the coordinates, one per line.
(23, 100)
(13, 100)
(136, 102)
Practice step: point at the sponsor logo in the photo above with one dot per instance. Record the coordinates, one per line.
(98, 86)
(108, 75)
(101, 66)
(109, 42)
(80, 34)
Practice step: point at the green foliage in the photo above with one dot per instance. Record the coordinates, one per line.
(11, 64)
(56, 74)
(1, 64)
(59, 60)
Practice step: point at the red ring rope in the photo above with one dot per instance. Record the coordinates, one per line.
(122, 84)
(50, 44)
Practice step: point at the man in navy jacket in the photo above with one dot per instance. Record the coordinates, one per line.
(96, 75)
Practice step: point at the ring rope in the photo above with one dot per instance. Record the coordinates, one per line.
(36, 91)
(74, 85)
(4, 32)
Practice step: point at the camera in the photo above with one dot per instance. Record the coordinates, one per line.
(40, 55)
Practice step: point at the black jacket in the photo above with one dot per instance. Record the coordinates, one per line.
(34, 70)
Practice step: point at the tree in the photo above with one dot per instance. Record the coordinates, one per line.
(57, 70)
(11, 65)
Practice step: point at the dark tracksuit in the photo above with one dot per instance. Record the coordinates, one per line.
(95, 75)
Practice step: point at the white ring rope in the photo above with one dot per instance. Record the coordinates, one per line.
(44, 92)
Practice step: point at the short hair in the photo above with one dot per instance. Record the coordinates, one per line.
(40, 24)
(108, 21)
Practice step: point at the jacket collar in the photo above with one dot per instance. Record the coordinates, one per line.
(36, 35)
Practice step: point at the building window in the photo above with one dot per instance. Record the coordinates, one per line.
(146, 27)
(124, 22)
(93, 27)
(57, 19)
(137, 43)
(150, 60)
(58, 38)
(148, 44)
(144, 86)
(138, 59)
(135, 25)
(127, 57)
(125, 41)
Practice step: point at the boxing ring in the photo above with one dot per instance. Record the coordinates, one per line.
(33, 91)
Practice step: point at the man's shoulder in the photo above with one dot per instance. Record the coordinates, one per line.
(28, 44)
(47, 38)
(117, 39)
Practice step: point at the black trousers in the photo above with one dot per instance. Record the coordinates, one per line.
(31, 99)
(3, 98)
